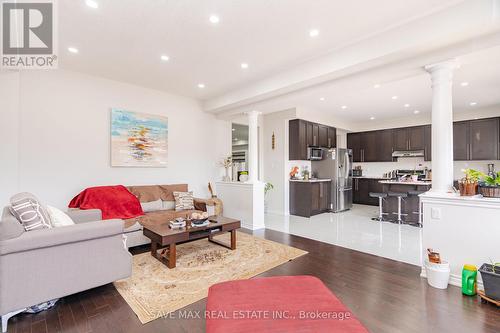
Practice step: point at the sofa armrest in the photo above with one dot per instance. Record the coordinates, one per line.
(36, 239)
(201, 204)
(84, 215)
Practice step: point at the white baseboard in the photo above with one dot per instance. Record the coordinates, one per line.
(455, 280)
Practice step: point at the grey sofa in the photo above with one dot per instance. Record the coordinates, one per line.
(42, 265)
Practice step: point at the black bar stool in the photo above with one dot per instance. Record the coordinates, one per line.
(416, 193)
(381, 197)
(400, 196)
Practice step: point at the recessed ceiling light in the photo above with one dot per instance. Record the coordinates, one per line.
(314, 33)
(473, 103)
(244, 65)
(416, 112)
(92, 4)
(372, 118)
(376, 86)
(165, 58)
(464, 84)
(201, 85)
(344, 107)
(407, 105)
(394, 97)
(234, 129)
(73, 49)
(321, 98)
(214, 19)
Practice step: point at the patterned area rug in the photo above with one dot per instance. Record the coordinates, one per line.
(153, 290)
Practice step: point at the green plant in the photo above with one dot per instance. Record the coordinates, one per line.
(268, 188)
(492, 180)
(472, 176)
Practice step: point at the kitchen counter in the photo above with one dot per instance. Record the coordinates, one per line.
(368, 177)
(412, 183)
(314, 180)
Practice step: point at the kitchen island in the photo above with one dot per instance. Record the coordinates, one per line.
(410, 204)
(309, 197)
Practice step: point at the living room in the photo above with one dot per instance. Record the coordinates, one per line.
(153, 180)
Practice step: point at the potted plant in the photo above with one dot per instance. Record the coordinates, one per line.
(267, 188)
(490, 185)
(227, 163)
(491, 280)
(469, 184)
(305, 173)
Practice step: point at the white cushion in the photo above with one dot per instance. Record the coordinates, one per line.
(183, 201)
(151, 206)
(58, 218)
(168, 205)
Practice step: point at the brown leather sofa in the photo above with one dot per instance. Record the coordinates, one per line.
(149, 193)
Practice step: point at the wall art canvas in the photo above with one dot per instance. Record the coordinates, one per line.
(138, 139)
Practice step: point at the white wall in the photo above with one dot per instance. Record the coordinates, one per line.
(275, 164)
(9, 100)
(64, 136)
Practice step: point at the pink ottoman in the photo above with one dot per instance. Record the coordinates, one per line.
(277, 304)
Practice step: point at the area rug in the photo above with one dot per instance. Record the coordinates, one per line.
(154, 291)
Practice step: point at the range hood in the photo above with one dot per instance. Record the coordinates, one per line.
(408, 153)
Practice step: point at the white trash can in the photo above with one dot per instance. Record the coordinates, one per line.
(438, 275)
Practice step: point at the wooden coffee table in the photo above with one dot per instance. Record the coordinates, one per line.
(165, 238)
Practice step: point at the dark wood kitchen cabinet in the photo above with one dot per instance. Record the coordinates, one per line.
(297, 149)
(332, 137)
(323, 136)
(309, 198)
(354, 143)
(362, 188)
(400, 139)
(372, 146)
(303, 134)
(409, 138)
(483, 136)
(476, 140)
(428, 143)
(461, 141)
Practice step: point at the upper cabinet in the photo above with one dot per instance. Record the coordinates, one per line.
(373, 146)
(298, 139)
(408, 138)
(476, 140)
(303, 134)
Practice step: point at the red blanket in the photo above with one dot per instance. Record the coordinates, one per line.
(115, 202)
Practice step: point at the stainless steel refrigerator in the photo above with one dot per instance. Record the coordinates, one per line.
(337, 165)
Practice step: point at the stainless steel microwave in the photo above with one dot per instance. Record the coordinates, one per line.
(314, 153)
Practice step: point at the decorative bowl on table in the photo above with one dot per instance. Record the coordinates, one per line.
(199, 219)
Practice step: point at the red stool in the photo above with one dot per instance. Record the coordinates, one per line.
(277, 304)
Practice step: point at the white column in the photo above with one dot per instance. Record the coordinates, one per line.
(253, 146)
(442, 125)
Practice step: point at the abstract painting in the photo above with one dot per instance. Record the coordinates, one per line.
(138, 139)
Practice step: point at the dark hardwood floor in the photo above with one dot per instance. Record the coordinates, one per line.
(387, 296)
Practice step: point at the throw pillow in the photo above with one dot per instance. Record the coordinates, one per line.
(183, 200)
(29, 212)
(58, 218)
(168, 205)
(151, 206)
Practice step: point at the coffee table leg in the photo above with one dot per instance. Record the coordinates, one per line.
(167, 256)
(171, 256)
(231, 245)
(233, 239)
(154, 248)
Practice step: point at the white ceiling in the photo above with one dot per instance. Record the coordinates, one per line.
(124, 39)
(481, 70)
